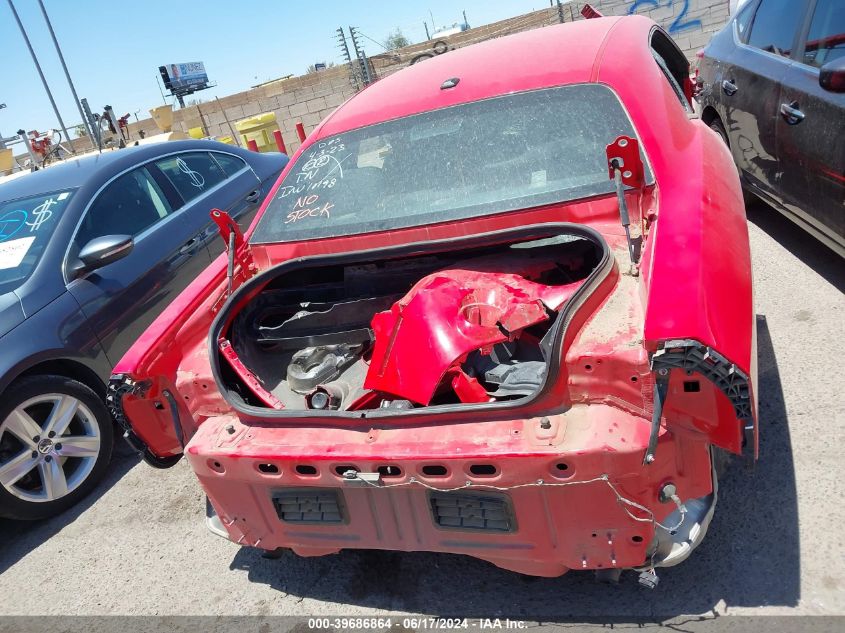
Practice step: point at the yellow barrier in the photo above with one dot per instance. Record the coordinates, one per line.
(7, 160)
(259, 128)
(163, 117)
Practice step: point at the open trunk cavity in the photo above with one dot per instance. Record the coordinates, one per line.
(452, 323)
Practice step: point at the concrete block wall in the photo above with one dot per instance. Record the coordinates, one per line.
(310, 98)
(690, 22)
(387, 63)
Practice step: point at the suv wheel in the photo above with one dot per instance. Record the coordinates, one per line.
(55, 444)
(718, 128)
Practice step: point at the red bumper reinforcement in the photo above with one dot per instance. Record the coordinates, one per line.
(538, 496)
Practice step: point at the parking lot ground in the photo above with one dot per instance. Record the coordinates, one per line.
(775, 547)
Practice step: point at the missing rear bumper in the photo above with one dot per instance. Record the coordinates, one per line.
(670, 548)
(538, 512)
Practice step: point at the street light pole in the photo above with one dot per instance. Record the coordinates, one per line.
(67, 74)
(40, 73)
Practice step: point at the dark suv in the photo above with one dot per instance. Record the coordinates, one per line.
(772, 84)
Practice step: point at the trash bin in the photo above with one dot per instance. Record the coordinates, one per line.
(259, 128)
(163, 117)
(7, 160)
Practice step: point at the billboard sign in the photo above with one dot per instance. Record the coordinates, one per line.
(184, 77)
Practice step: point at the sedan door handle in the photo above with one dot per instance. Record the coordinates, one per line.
(791, 113)
(729, 87)
(253, 196)
(188, 246)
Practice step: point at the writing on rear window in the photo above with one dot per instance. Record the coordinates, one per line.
(501, 154)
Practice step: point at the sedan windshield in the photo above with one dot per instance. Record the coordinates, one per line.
(26, 226)
(500, 154)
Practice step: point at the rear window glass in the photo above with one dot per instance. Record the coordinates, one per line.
(192, 174)
(500, 154)
(775, 25)
(230, 164)
(826, 39)
(743, 20)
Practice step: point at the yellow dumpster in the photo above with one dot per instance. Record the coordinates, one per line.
(259, 128)
(163, 117)
(7, 160)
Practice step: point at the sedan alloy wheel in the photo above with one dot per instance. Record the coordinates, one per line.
(55, 439)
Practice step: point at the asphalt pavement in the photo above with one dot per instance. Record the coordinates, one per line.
(138, 545)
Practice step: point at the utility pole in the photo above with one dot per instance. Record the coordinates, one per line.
(95, 124)
(158, 83)
(344, 49)
(362, 57)
(64, 66)
(3, 140)
(40, 73)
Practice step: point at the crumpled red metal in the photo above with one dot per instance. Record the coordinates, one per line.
(445, 316)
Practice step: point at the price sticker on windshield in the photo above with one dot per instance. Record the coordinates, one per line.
(12, 252)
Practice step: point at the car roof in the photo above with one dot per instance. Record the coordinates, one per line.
(73, 172)
(557, 55)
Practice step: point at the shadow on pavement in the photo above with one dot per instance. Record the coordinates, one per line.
(798, 242)
(18, 538)
(750, 557)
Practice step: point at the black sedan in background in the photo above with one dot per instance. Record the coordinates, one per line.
(90, 252)
(772, 84)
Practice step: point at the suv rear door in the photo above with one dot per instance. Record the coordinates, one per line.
(750, 89)
(810, 130)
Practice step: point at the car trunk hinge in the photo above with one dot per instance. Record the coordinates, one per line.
(625, 167)
(237, 248)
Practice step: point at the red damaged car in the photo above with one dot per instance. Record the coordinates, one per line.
(498, 304)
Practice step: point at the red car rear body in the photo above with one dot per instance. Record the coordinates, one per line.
(558, 482)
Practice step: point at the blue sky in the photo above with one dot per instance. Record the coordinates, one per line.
(113, 49)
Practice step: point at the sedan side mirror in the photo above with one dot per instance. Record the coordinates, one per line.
(102, 251)
(832, 75)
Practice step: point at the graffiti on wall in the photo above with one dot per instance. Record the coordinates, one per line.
(680, 23)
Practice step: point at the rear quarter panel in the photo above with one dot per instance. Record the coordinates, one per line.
(696, 263)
